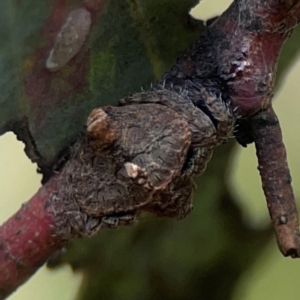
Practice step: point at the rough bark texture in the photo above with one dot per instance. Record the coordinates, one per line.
(245, 65)
(227, 67)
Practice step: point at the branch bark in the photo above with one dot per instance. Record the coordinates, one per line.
(276, 180)
(27, 240)
(234, 61)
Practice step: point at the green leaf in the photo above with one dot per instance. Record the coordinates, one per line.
(129, 45)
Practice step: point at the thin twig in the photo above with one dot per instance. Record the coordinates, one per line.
(276, 180)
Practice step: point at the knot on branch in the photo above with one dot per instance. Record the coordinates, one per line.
(138, 157)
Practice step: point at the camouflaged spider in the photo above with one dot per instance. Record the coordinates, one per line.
(141, 156)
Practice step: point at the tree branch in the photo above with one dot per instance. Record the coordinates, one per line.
(276, 181)
(191, 110)
(27, 240)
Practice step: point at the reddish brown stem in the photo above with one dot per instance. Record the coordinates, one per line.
(276, 180)
(240, 48)
(26, 241)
